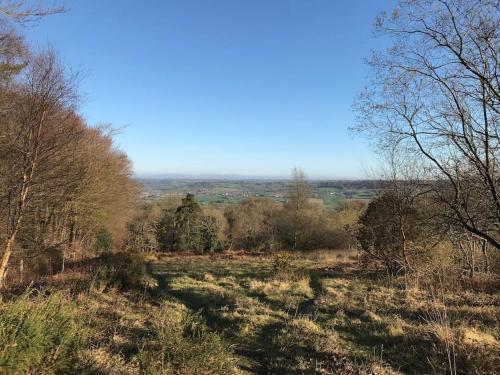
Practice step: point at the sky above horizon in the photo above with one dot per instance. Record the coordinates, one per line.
(223, 87)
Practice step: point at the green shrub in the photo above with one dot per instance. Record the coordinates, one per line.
(103, 241)
(123, 271)
(39, 335)
(282, 264)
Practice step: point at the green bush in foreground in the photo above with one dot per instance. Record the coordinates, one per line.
(39, 335)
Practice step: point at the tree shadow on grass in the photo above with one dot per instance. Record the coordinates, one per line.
(406, 352)
(269, 354)
(275, 349)
(208, 303)
(272, 349)
(197, 270)
(264, 351)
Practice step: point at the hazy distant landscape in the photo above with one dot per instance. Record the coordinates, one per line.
(331, 192)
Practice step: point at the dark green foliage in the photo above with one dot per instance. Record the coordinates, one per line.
(389, 229)
(122, 271)
(40, 335)
(181, 228)
(209, 233)
(188, 223)
(190, 228)
(103, 241)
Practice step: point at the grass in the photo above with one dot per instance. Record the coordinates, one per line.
(235, 314)
(325, 316)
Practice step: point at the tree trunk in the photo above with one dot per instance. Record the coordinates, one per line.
(21, 205)
(7, 252)
(485, 254)
(21, 270)
(63, 259)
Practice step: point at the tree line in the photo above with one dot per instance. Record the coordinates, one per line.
(61, 179)
(301, 223)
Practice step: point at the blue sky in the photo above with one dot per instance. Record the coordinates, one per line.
(244, 87)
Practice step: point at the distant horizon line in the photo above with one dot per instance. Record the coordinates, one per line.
(212, 176)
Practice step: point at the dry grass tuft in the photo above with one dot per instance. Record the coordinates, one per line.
(475, 337)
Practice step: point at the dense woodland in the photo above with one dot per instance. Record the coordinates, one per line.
(70, 213)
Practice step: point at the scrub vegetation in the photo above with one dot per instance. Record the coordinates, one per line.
(96, 278)
(309, 313)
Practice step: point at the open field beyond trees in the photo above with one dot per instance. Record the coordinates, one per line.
(331, 193)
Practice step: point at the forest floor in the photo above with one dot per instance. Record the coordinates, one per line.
(319, 313)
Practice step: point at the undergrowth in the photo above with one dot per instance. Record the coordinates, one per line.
(40, 335)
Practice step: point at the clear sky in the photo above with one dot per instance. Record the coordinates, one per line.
(244, 87)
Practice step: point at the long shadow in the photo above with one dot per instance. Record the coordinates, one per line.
(275, 352)
(408, 353)
(265, 354)
(269, 354)
(209, 305)
(308, 306)
(265, 351)
(217, 268)
(272, 349)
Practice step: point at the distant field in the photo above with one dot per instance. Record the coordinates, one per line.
(229, 192)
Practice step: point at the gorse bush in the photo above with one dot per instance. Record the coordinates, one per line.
(282, 264)
(123, 271)
(40, 335)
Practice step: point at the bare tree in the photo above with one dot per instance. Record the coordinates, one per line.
(299, 193)
(38, 126)
(26, 11)
(435, 95)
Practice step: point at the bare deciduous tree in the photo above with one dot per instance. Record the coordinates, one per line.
(299, 194)
(26, 11)
(37, 127)
(435, 95)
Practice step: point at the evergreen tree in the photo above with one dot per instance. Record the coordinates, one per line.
(209, 233)
(188, 222)
(103, 241)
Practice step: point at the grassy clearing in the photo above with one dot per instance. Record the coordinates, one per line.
(314, 314)
(109, 320)
(324, 316)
